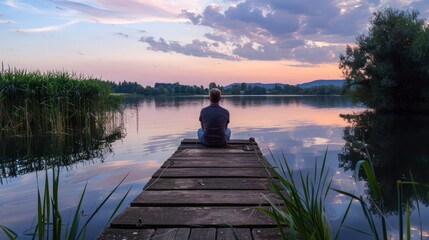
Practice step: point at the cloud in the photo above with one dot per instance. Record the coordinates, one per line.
(19, 5)
(301, 65)
(234, 29)
(122, 34)
(197, 48)
(317, 54)
(281, 30)
(5, 21)
(121, 12)
(287, 30)
(47, 28)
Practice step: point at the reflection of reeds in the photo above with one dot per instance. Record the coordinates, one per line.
(56, 102)
(22, 155)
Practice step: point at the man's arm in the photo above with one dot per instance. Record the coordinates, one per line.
(227, 120)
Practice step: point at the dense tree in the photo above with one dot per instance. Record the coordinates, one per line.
(389, 68)
(212, 85)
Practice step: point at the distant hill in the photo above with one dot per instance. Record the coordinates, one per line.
(268, 86)
(315, 83)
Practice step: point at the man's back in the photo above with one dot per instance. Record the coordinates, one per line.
(214, 120)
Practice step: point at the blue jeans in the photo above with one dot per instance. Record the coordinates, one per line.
(203, 141)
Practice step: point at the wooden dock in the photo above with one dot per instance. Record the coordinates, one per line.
(202, 193)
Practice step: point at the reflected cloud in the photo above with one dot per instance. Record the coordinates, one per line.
(310, 142)
(137, 171)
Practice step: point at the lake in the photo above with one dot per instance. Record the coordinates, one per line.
(149, 130)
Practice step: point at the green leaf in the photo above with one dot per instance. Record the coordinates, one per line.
(9, 233)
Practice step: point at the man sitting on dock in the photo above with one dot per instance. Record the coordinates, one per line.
(214, 131)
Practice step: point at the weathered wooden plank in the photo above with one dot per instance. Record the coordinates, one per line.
(213, 172)
(156, 217)
(232, 148)
(120, 234)
(217, 157)
(231, 142)
(203, 198)
(233, 234)
(232, 163)
(208, 184)
(267, 233)
(212, 151)
(197, 145)
(203, 234)
(171, 234)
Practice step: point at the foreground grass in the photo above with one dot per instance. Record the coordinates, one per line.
(49, 222)
(301, 209)
(302, 206)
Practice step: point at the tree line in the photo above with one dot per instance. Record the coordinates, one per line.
(174, 89)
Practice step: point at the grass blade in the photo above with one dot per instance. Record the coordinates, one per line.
(418, 205)
(119, 205)
(399, 192)
(407, 220)
(101, 205)
(75, 222)
(365, 210)
(343, 219)
(9, 233)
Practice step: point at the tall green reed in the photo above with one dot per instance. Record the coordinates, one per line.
(56, 102)
(50, 223)
(302, 205)
(374, 187)
(300, 209)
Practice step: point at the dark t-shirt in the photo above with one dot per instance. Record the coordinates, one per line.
(214, 119)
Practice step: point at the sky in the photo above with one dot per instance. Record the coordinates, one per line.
(192, 42)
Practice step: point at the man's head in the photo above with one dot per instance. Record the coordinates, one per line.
(214, 95)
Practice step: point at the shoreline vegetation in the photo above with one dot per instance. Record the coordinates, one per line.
(177, 89)
(52, 120)
(38, 103)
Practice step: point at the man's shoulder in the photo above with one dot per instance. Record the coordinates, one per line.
(225, 109)
(205, 108)
(215, 106)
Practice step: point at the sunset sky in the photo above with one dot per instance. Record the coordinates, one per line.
(187, 41)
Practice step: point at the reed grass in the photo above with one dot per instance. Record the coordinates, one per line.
(368, 169)
(300, 209)
(49, 221)
(55, 102)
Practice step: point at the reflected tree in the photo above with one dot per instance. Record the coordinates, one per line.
(397, 147)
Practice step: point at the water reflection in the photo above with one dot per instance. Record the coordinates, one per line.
(313, 101)
(23, 155)
(243, 101)
(300, 127)
(398, 148)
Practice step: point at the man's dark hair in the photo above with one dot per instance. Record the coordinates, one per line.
(214, 95)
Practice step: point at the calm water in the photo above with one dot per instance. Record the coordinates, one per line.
(303, 128)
